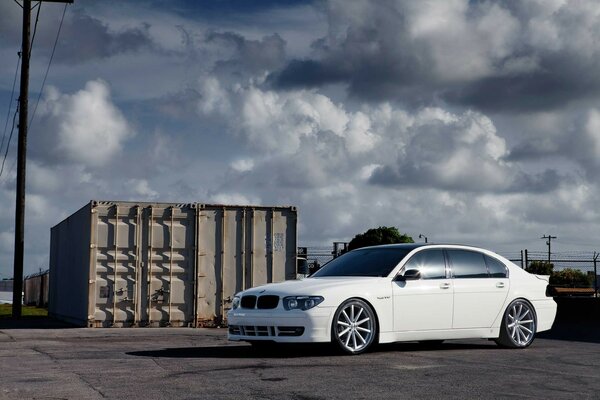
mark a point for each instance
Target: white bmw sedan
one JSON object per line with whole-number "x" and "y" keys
{"x": 403, "y": 292}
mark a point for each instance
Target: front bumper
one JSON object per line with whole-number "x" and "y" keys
{"x": 281, "y": 326}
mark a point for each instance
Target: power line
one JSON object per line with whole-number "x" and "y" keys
{"x": 9, "y": 139}
{"x": 37, "y": 18}
{"x": 49, "y": 63}
{"x": 12, "y": 94}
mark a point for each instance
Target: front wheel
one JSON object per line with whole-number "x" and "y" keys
{"x": 518, "y": 325}
{"x": 354, "y": 326}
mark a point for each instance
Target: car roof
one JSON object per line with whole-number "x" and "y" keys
{"x": 406, "y": 246}
{"x": 412, "y": 246}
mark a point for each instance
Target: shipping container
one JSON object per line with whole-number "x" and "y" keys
{"x": 164, "y": 264}
{"x": 35, "y": 288}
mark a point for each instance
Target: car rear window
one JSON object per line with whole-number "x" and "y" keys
{"x": 467, "y": 264}
{"x": 497, "y": 269}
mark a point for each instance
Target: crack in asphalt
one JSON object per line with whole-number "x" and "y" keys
{"x": 9, "y": 336}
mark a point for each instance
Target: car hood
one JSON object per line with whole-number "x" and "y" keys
{"x": 315, "y": 286}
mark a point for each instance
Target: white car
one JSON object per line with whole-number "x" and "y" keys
{"x": 402, "y": 292}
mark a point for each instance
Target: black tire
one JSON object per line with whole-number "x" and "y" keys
{"x": 354, "y": 327}
{"x": 519, "y": 325}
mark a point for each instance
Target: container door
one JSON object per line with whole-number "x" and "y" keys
{"x": 261, "y": 271}
{"x": 117, "y": 265}
{"x": 283, "y": 245}
{"x": 210, "y": 227}
{"x": 168, "y": 266}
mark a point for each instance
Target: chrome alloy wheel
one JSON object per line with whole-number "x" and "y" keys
{"x": 520, "y": 322}
{"x": 518, "y": 326}
{"x": 354, "y": 326}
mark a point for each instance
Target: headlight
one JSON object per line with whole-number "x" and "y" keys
{"x": 235, "y": 303}
{"x": 301, "y": 302}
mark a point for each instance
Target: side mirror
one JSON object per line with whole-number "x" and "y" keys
{"x": 409, "y": 275}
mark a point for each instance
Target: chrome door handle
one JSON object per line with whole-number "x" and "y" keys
{"x": 444, "y": 285}
{"x": 500, "y": 285}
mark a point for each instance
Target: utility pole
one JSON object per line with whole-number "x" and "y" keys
{"x": 21, "y": 159}
{"x": 549, "y": 243}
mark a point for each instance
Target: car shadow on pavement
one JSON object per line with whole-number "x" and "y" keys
{"x": 296, "y": 350}
{"x": 573, "y": 331}
{"x": 34, "y": 322}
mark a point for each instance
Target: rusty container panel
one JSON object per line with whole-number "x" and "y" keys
{"x": 241, "y": 247}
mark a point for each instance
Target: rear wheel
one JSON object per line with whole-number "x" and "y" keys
{"x": 518, "y": 325}
{"x": 354, "y": 326}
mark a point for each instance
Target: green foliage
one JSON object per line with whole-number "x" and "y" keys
{"x": 540, "y": 268}
{"x": 26, "y": 311}
{"x": 376, "y": 236}
{"x": 571, "y": 277}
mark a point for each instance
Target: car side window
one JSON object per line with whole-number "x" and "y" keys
{"x": 430, "y": 263}
{"x": 467, "y": 264}
{"x": 496, "y": 267}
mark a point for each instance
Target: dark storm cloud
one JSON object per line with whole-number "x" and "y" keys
{"x": 85, "y": 38}
{"x": 375, "y": 58}
{"x": 559, "y": 79}
{"x": 574, "y": 138}
{"x": 249, "y": 56}
{"x": 505, "y": 56}
{"x": 404, "y": 175}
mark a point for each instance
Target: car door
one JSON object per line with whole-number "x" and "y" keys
{"x": 425, "y": 303}
{"x": 478, "y": 295}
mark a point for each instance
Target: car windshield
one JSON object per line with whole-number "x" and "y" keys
{"x": 364, "y": 262}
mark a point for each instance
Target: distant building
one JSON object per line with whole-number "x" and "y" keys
{"x": 6, "y": 292}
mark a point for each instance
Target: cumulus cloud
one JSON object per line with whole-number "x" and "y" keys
{"x": 458, "y": 152}
{"x": 307, "y": 139}
{"x": 280, "y": 121}
{"x": 84, "y": 127}
{"x": 141, "y": 189}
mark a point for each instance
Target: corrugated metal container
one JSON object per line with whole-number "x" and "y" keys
{"x": 36, "y": 289}
{"x": 163, "y": 264}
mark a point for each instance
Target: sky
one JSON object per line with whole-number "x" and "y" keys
{"x": 472, "y": 122}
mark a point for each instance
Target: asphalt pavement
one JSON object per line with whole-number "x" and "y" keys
{"x": 185, "y": 363}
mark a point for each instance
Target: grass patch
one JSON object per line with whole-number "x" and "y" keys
{"x": 27, "y": 311}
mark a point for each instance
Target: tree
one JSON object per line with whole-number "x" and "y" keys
{"x": 571, "y": 277}
{"x": 540, "y": 268}
{"x": 376, "y": 236}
